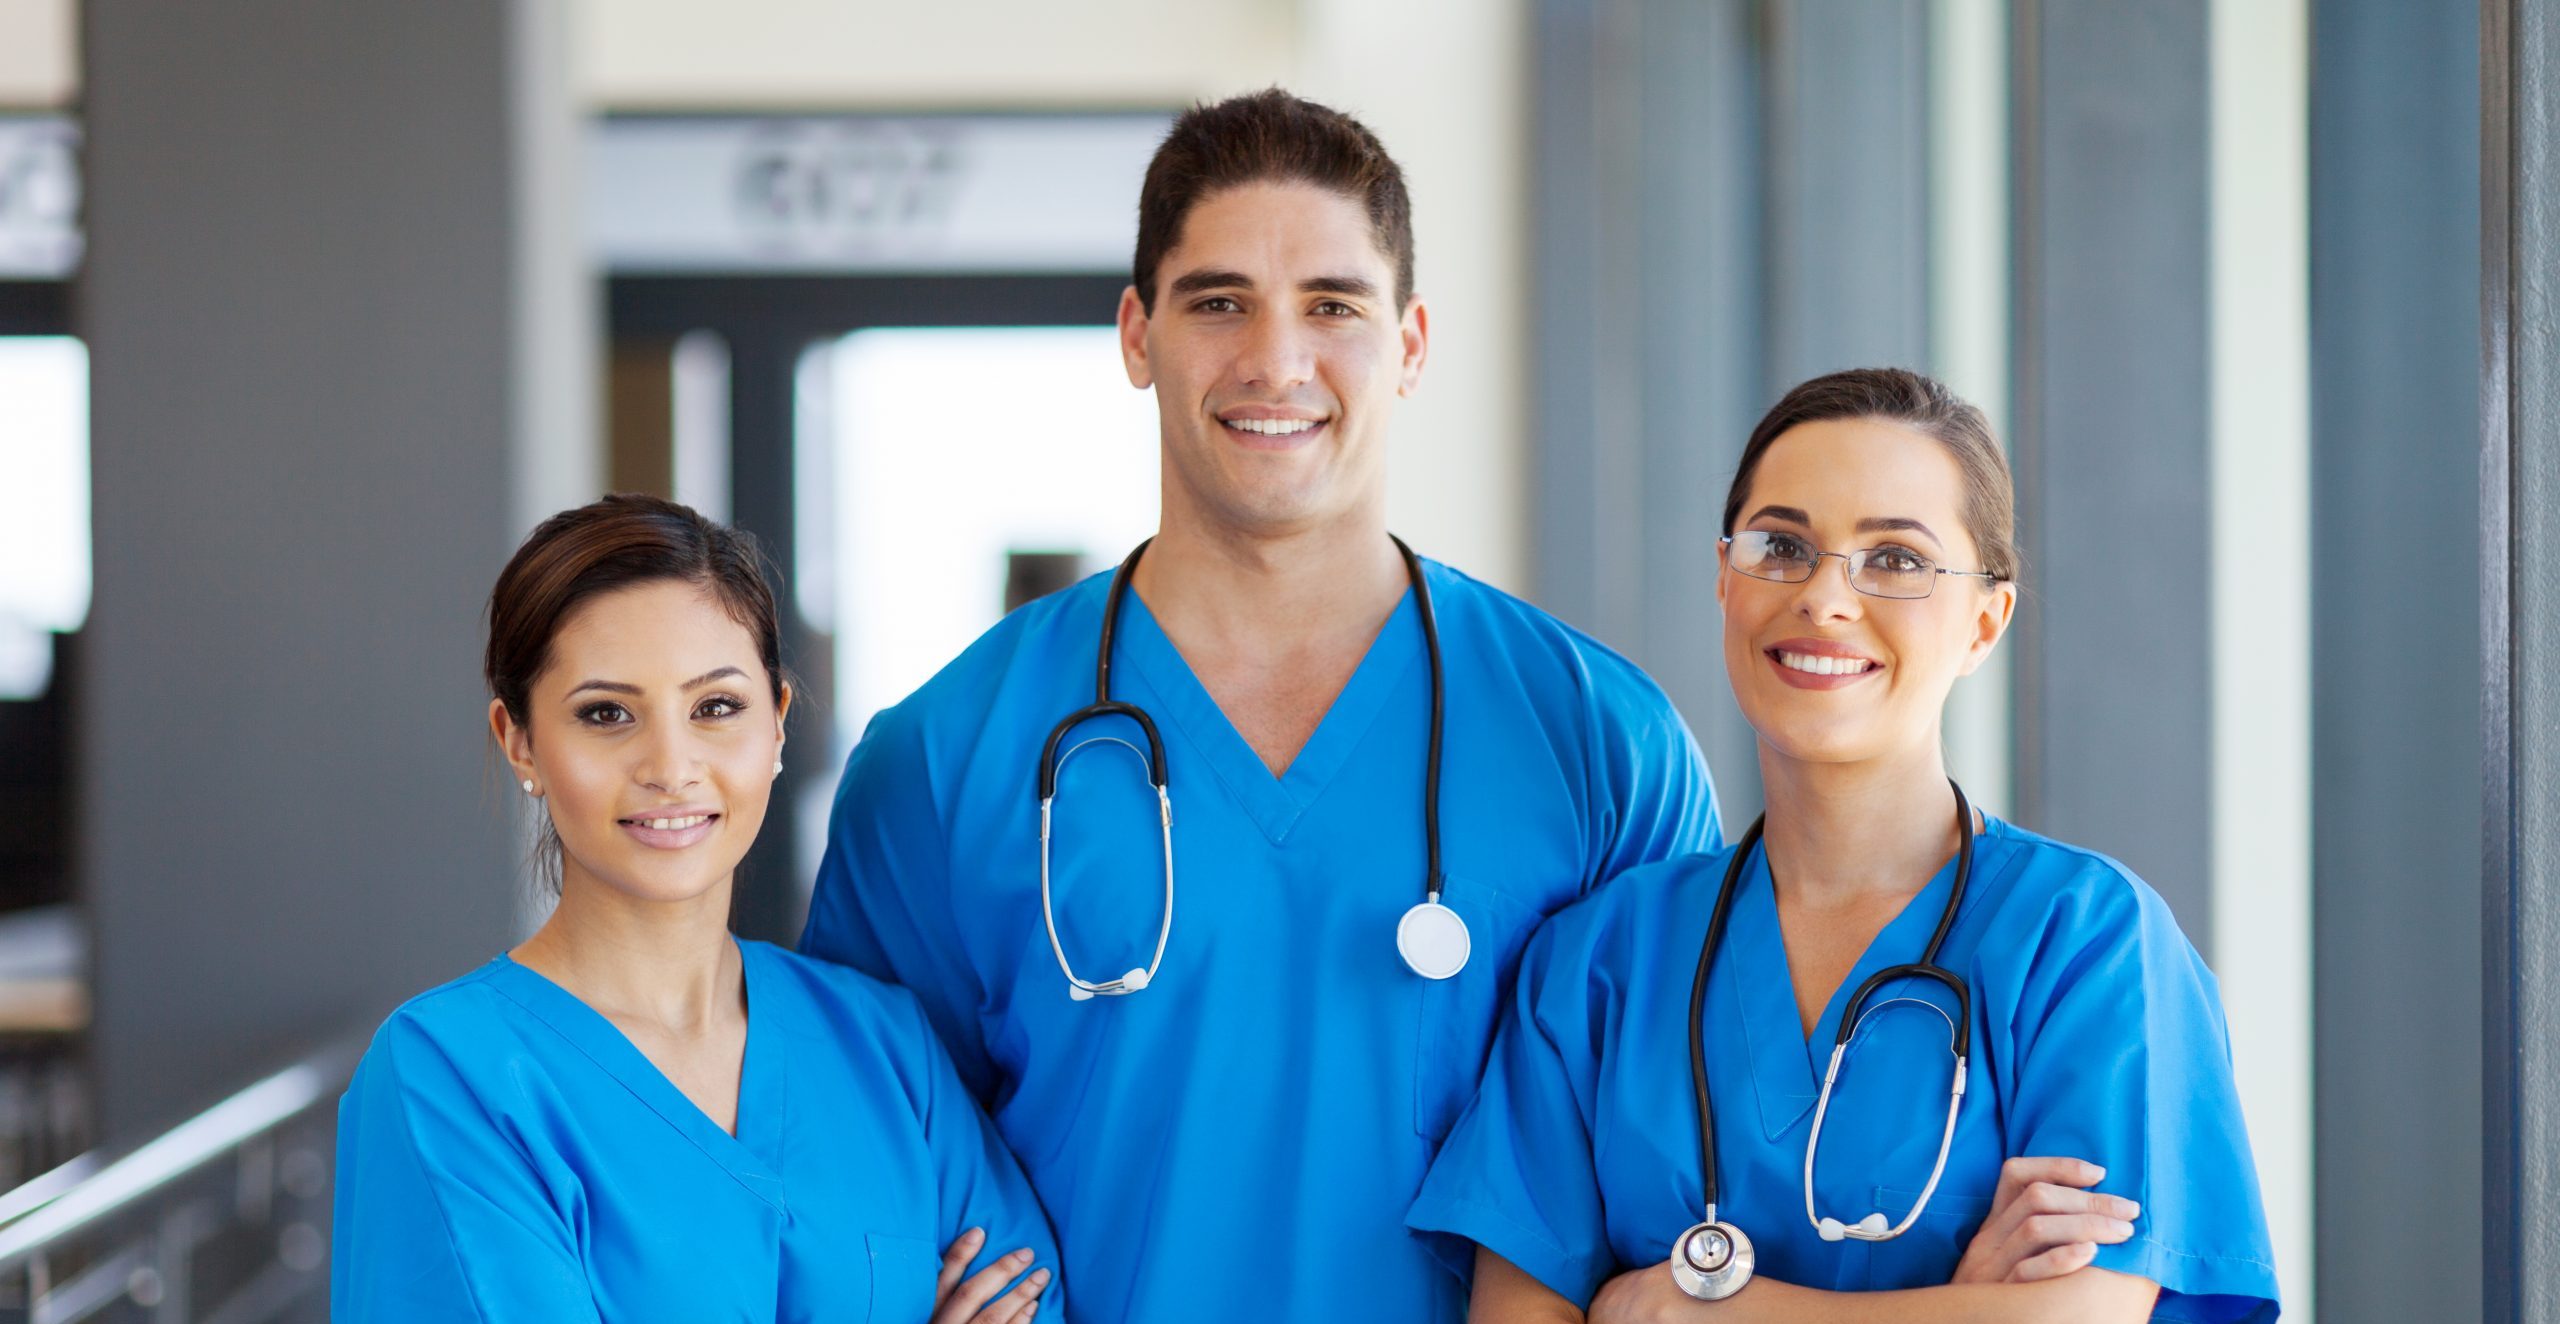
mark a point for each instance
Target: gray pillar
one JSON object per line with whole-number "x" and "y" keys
{"x": 1733, "y": 198}
{"x": 323, "y": 254}
{"x": 2520, "y": 644}
{"x": 1848, "y": 151}
{"x": 2114, "y": 721}
{"x": 1649, "y": 346}
{"x": 2395, "y": 262}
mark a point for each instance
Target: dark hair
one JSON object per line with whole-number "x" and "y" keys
{"x": 1270, "y": 135}
{"x": 602, "y": 546}
{"x": 1923, "y": 404}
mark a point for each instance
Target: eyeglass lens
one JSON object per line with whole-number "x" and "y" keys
{"x": 1883, "y": 572}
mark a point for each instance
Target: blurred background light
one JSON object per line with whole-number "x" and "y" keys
{"x": 959, "y": 455}
{"x": 44, "y": 504}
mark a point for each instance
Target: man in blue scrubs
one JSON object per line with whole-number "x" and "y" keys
{"x": 1241, "y": 1136}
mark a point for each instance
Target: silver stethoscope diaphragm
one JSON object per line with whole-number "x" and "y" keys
{"x": 1712, "y": 1260}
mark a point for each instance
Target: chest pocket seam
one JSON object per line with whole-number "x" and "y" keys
{"x": 1467, "y": 1006}
{"x": 903, "y": 1271}
{"x": 1947, "y": 1209}
{"x": 1942, "y": 1202}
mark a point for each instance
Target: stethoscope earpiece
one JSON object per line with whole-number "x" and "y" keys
{"x": 1869, "y": 1228}
{"x": 1135, "y": 980}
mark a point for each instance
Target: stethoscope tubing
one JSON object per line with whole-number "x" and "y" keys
{"x": 1159, "y": 774}
{"x": 1164, "y": 928}
{"x": 1432, "y": 877}
{"x": 1926, "y": 967}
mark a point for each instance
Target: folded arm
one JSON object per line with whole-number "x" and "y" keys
{"x": 2029, "y": 1261}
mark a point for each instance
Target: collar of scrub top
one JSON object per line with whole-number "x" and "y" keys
{"x": 1713, "y": 1259}
{"x": 1431, "y": 937}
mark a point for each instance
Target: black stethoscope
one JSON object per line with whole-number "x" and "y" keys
{"x": 1431, "y": 937}
{"x": 1713, "y": 1259}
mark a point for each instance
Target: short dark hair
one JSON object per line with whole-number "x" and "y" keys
{"x": 1923, "y": 404}
{"x": 1270, "y": 135}
{"x": 610, "y": 544}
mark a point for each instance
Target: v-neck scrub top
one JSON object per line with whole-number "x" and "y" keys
{"x": 505, "y": 1154}
{"x": 1240, "y": 1139}
{"x": 2097, "y": 1034}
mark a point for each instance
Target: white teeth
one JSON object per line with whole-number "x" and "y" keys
{"x": 1824, "y": 665}
{"x": 1272, "y": 427}
{"x": 674, "y": 824}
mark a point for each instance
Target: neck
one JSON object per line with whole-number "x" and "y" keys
{"x": 1251, "y": 590}
{"x": 1839, "y": 833}
{"x": 669, "y": 963}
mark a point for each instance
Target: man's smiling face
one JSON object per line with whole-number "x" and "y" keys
{"x": 1276, "y": 351}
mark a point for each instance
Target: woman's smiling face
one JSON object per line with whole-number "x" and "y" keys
{"x": 1824, "y": 673}
{"x": 652, "y": 733}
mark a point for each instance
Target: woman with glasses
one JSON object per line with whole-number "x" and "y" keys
{"x": 1832, "y": 1072}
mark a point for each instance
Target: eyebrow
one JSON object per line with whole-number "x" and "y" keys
{"x": 617, "y": 687}
{"x": 1212, "y": 278}
{"x": 1219, "y": 278}
{"x": 1350, "y": 286}
{"x": 1897, "y": 524}
{"x": 1871, "y": 524}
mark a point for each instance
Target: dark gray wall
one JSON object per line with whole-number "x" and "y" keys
{"x": 1649, "y": 343}
{"x": 2520, "y": 654}
{"x": 1730, "y": 197}
{"x": 2114, "y": 720}
{"x": 301, "y": 300}
{"x": 2395, "y": 306}
{"x": 1848, "y": 159}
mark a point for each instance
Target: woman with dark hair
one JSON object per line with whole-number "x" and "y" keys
{"x": 634, "y": 1115}
{"x": 1822, "y": 1074}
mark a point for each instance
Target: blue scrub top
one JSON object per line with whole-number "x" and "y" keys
{"x": 2097, "y": 1034}
{"x": 1241, "y": 1139}
{"x": 504, "y": 1153}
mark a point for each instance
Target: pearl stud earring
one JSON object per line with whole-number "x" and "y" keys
{"x": 528, "y": 786}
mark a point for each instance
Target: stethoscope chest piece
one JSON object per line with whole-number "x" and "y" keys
{"x": 1433, "y": 940}
{"x": 1712, "y": 1261}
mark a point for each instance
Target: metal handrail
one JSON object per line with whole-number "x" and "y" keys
{"x": 101, "y": 1184}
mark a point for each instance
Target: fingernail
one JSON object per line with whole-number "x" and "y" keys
{"x": 1040, "y": 1277}
{"x": 2122, "y": 1228}
{"x": 2131, "y": 1209}
{"x": 974, "y": 1234}
{"x": 1022, "y": 1256}
{"x": 1030, "y": 1310}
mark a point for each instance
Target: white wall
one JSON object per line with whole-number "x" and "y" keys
{"x": 39, "y": 55}
{"x": 1012, "y": 54}
{"x": 1444, "y": 82}
{"x": 1969, "y": 319}
{"x": 2261, "y": 483}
